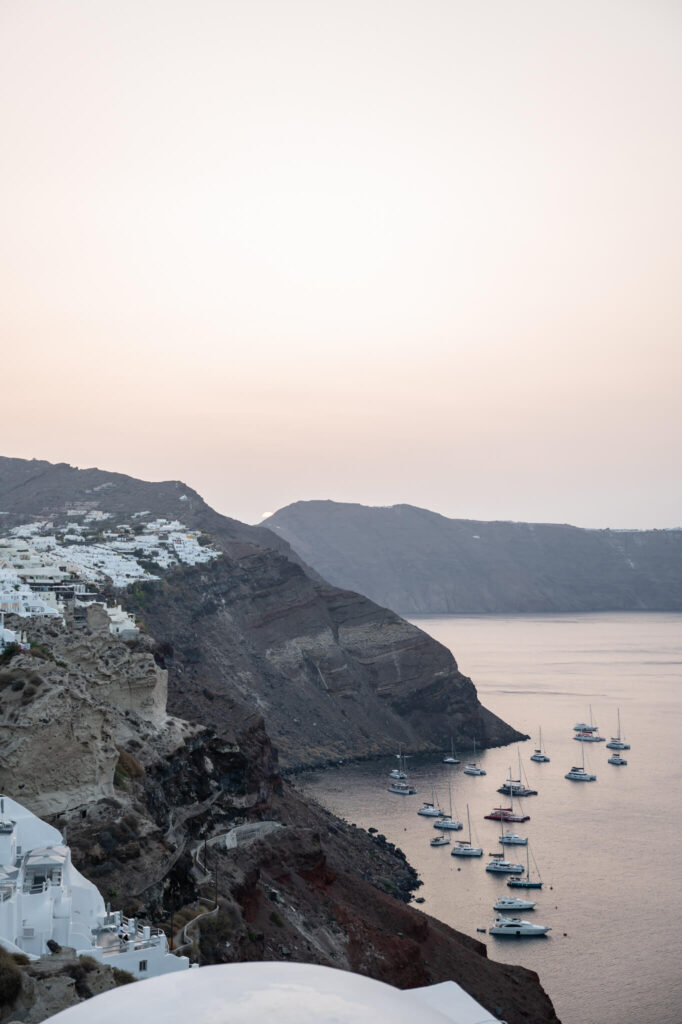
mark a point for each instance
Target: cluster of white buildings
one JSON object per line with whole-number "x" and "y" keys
{"x": 44, "y": 897}
{"x": 38, "y": 571}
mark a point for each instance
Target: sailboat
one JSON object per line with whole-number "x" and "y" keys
{"x": 464, "y": 847}
{"x": 526, "y": 882}
{"x": 587, "y": 733}
{"x": 473, "y": 768}
{"x": 539, "y": 754}
{"x": 579, "y": 774}
{"x": 617, "y": 742}
{"x": 447, "y": 822}
{"x": 516, "y": 786}
{"x": 451, "y": 759}
{"x": 441, "y": 840}
{"x": 430, "y": 809}
{"x": 511, "y": 838}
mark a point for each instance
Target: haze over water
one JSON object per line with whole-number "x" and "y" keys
{"x": 607, "y": 851}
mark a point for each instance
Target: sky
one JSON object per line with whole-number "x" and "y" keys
{"x": 372, "y": 250}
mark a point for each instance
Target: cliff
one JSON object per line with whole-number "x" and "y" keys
{"x": 151, "y": 829}
{"x": 333, "y": 674}
{"x": 418, "y": 562}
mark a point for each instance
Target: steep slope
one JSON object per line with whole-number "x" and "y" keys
{"x": 333, "y": 674}
{"x": 148, "y": 826}
{"x": 418, "y": 562}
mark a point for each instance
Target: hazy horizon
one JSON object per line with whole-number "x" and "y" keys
{"x": 385, "y": 252}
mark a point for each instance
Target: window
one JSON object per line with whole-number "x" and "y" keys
{"x": 143, "y": 965}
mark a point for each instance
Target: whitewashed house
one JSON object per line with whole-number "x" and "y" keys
{"x": 43, "y": 897}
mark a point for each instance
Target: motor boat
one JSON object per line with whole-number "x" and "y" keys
{"x": 513, "y": 903}
{"x": 517, "y": 927}
{"x": 397, "y": 774}
{"x": 617, "y": 759}
{"x": 499, "y": 866}
{"x": 512, "y": 839}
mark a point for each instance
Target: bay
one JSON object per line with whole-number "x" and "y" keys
{"x": 608, "y": 851}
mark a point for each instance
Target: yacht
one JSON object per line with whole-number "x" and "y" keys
{"x": 450, "y": 758}
{"x": 448, "y": 822}
{"x": 397, "y": 774}
{"x": 587, "y": 733}
{"x": 440, "y": 841}
{"x": 499, "y": 866}
{"x": 526, "y": 882}
{"x": 579, "y": 774}
{"x": 513, "y": 903}
{"x": 539, "y": 754}
{"x": 617, "y": 759}
{"x": 618, "y": 742}
{"x": 512, "y": 839}
{"x": 429, "y": 810}
{"x": 401, "y": 788}
{"x": 464, "y": 847}
{"x": 506, "y": 814}
{"x": 473, "y": 768}
{"x": 517, "y": 788}
{"x": 515, "y": 926}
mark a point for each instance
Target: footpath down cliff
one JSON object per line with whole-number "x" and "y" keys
{"x": 418, "y": 562}
{"x": 333, "y": 674}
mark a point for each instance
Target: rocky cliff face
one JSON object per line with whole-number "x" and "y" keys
{"x": 418, "y": 562}
{"x": 149, "y": 828}
{"x": 333, "y": 674}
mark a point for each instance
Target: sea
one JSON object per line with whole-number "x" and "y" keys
{"x": 609, "y": 852}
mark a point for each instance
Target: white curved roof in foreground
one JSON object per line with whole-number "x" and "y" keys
{"x": 289, "y": 993}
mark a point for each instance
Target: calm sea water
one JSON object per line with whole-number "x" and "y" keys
{"x": 609, "y": 852}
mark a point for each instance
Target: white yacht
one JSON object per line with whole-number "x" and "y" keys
{"x": 397, "y": 774}
{"x": 618, "y": 742}
{"x": 617, "y": 759}
{"x": 448, "y": 821}
{"x": 401, "y": 788}
{"x": 464, "y": 847}
{"x": 513, "y": 903}
{"x": 450, "y": 758}
{"x": 513, "y": 839}
{"x": 473, "y": 769}
{"x": 430, "y": 810}
{"x": 587, "y": 733}
{"x": 515, "y": 926}
{"x": 499, "y": 866}
{"x": 539, "y": 754}
{"x": 579, "y": 774}
{"x": 440, "y": 841}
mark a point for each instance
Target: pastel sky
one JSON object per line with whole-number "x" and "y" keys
{"x": 371, "y": 250}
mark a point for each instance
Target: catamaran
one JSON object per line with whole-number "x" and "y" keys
{"x": 539, "y": 754}
{"x": 618, "y": 742}
{"x": 578, "y": 774}
{"x": 464, "y": 847}
{"x": 526, "y": 882}
{"x": 430, "y": 808}
{"x": 587, "y": 733}
{"x": 617, "y": 759}
{"x": 401, "y": 788}
{"x": 451, "y": 759}
{"x": 499, "y": 866}
{"x": 448, "y": 822}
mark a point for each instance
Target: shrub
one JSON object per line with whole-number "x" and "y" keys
{"x": 276, "y": 919}
{"x": 122, "y": 977}
{"x": 10, "y": 979}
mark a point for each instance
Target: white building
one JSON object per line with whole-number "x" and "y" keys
{"x": 43, "y": 897}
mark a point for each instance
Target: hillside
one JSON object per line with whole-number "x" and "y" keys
{"x": 418, "y": 562}
{"x": 253, "y": 631}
